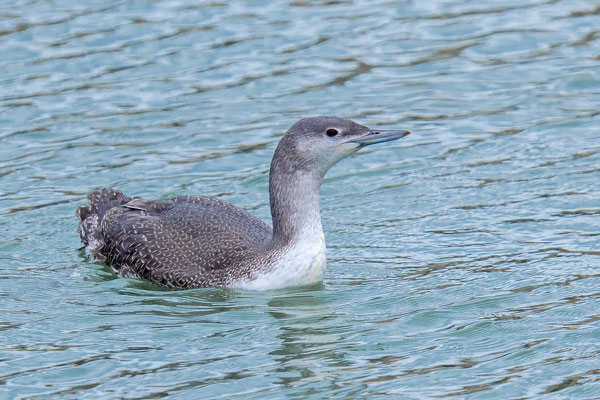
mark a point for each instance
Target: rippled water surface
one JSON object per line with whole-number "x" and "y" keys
{"x": 463, "y": 260}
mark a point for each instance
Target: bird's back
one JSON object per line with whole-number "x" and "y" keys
{"x": 187, "y": 241}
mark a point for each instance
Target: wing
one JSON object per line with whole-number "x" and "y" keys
{"x": 187, "y": 241}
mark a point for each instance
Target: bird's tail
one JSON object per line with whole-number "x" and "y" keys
{"x": 90, "y": 217}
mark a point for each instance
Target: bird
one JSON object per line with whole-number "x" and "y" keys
{"x": 201, "y": 241}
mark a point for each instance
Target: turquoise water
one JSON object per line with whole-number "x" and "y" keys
{"x": 463, "y": 260}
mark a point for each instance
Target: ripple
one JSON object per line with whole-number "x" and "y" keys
{"x": 462, "y": 262}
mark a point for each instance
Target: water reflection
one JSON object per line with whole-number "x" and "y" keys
{"x": 309, "y": 338}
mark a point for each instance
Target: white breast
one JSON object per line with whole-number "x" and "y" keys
{"x": 303, "y": 263}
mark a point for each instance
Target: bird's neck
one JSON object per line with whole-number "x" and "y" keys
{"x": 294, "y": 196}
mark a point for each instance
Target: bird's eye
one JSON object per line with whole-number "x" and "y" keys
{"x": 331, "y": 132}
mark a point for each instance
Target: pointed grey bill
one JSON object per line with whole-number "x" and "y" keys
{"x": 380, "y": 136}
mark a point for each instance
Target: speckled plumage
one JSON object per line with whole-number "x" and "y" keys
{"x": 187, "y": 241}
{"x": 199, "y": 241}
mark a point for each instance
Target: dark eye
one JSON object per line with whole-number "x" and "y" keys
{"x": 331, "y": 132}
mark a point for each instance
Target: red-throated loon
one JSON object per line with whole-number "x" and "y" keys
{"x": 200, "y": 241}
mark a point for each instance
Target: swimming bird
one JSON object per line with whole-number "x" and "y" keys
{"x": 201, "y": 241}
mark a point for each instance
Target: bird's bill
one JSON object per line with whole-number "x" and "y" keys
{"x": 379, "y": 136}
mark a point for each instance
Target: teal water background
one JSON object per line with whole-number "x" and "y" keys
{"x": 463, "y": 260}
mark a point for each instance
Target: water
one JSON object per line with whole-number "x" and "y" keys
{"x": 463, "y": 260}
